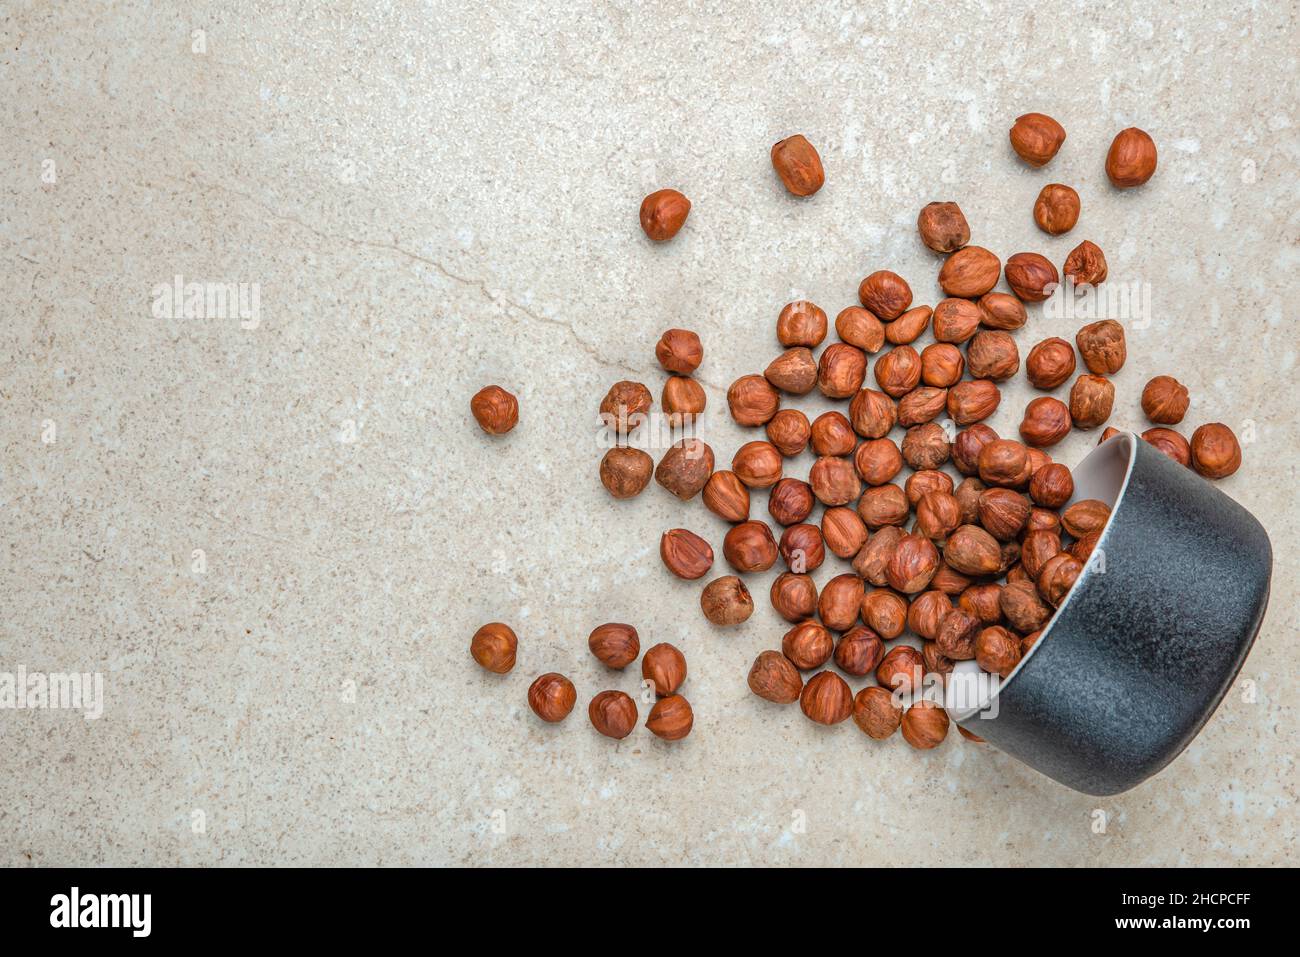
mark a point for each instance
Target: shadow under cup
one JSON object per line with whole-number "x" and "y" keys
{"x": 1148, "y": 641}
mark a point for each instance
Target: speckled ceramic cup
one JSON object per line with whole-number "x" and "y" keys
{"x": 1150, "y": 638}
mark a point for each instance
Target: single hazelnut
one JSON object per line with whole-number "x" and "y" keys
{"x": 679, "y": 351}
{"x": 1131, "y": 160}
{"x": 826, "y": 698}
{"x": 1084, "y": 547}
{"x": 901, "y": 670}
{"x": 1036, "y": 137}
{"x": 956, "y": 320}
{"x": 789, "y": 431}
{"x": 924, "y": 481}
{"x": 873, "y": 414}
{"x": 923, "y": 404}
{"x": 1028, "y": 642}
{"x": 925, "y": 725}
{"x": 898, "y": 371}
{"x": 1045, "y": 519}
{"x": 926, "y": 613}
{"x": 885, "y": 613}
{"x": 1170, "y": 443}
{"x": 797, "y": 163}
{"x": 955, "y": 638}
{"x": 948, "y": 580}
{"x": 801, "y": 323}
{"x": 832, "y": 435}
{"x": 793, "y": 371}
{"x": 1031, "y": 277}
{"x": 993, "y": 355}
{"x": 858, "y": 327}
{"x": 1022, "y": 607}
{"x": 1215, "y": 452}
{"x": 752, "y": 400}
{"x": 968, "y": 495}
{"x": 912, "y": 565}
{"x": 790, "y": 501}
{"x": 1085, "y": 516}
{"x": 1051, "y": 486}
{"x": 840, "y": 601}
{"x": 943, "y": 227}
{"x": 877, "y": 461}
{"x": 726, "y": 497}
{"x": 613, "y": 714}
{"x": 493, "y": 647}
{"x": 859, "y": 651}
{"x": 843, "y": 531}
{"x": 794, "y": 597}
{"x": 683, "y": 400}
{"x": 1046, "y": 421}
{"x": 1005, "y": 463}
{"x": 997, "y": 650}
{"x": 936, "y": 662}
{"x": 495, "y": 410}
{"x": 625, "y": 406}
{"x": 802, "y": 549}
{"x": 1165, "y": 400}
{"x": 808, "y": 645}
{"x": 664, "y": 667}
{"x": 841, "y": 370}
{"x": 870, "y": 563}
{"x": 1035, "y": 550}
{"x": 614, "y": 645}
{"x": 625, "y": 472}
{"x": 966, "y": 447}
{"x": 926, "y": 446}
{"x": 1091, "y": 399}
{"x": 973, "y": 551}
{"x": 876, "y": 713}
{"x": 970, "y": 272}
{"x": 1000, "y": 310}
{"x": 941, "y": 365}
{"x": 909, "y": 326}
{"x": 685, "y": 468}
{"x": 1057, "y": 577}
{"x": 552, "y": 697}
{"x": 973, "y": 401}
{"x": 1101, "y": 344}
{"x": 883, "y": 505}
{"x": 982, "y": 602}
{"x": 758, "y": 464}
{"x": 1037, "y": 460}
{"x": 833, "y": 480}
{"x": 886, "y": 294}
{"x": 774, "y": 679}
{"x": 1086, "y": 265}
{"x": 685, "y": 554}
{"x": 663, "y": 213}
{"x": 1057, "y": 209}
{"x": 671, "y": 718}
{"x": 726, "y": 601}
{"x": 937, "y": 515}
{"x": 1003, "y": 513}
{"x": 749, "y": 547}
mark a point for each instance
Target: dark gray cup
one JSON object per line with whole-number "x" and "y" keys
{"x": 1149, "y": 640}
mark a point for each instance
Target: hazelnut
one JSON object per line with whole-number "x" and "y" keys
{"x": 493, "y": 647}
{"x": 982, "y": 602}
{"x": 901, "y": 670}
{"x": 993, "y": 355}
{"x": 1036, "y": 137}
{"x": 936, "y": 662}
{"x": 1057, "y": 577}
{"x": 1005, "y": 463}
{"x": 870, "y": 563}
{"x": 956, "y": 320}
{"x": 1083, "y": 548}
{"x": 1026, "y": 643}
{"x": 883, "y": 505}
{"x": 833, "y": 480}
{"x": 1086, "y": 516}
{"x": 671, "y": 718}
{"x": 1215, "y": 452}
{"x": 926, "y": 613}
{"x": 726, "y": 601}
{"x": 826, "y": 698}
{"x": 613, "y": 714}
{"x": 552, "y": 697}
{"x": 1022, "y": 607}
{"x": 625, "y": 472}
{"x": 1035, "y": 550}
{"x": 898, "y": 371}
{"x": 841, "y": 370}
{"x": 973, "y": 401}
{"x": 664, "y": 667}
{"x": 923, "y": 404}
{"x": 970, "y": 272}
{"x": 752, "y": 400}
{"x": 757, "y": 464}
{"x": 1086, "y": 265}
{"x": 973, "y": 551}
{"x": 1051, "y": 486}
{"x": 876, "y": 713}
{"x": 802, "y": 549}
{"x": 1091, "y": 399}
{"x": 793, "y": 371}
{"x": 790, "y": 501}
{"x": 885, "y": 613}
{"x": 1170, "y": 443}
{"x": 663, "y": 213}
{"x": 808, "y": 645}
{"x": 860, "y": 328}
{"x": 789, "y": 431}
{"x": 966, "y": 447}
{"x": 1164, "y": 400}
{"x": 832, "y": 434}
{"x": 997, "y": 650}
{"x": 926, "y": 446}
{"x": 1050, "y": 363}
{"x": 843, "y": 531}
{"x": 1031, "y": 277}
{"x": 1046, "y": 421}
{"x": 886, "y": 294}
{"x": 948, "y": 580}
{"x": 958, "y": 629}
{"x": 1037, "y": 460}
{"x": 1131, "y": 160}
{"x": 614, "y": 645}
{"x": 749, "y": 547}
{"x": 941, "y": 365}
{"x": 909, "y": 326}
{"x": 1011, "y": 562}
{"x": 924, "y": 481}
{"x": 726, "y": 497}
{"x": 801, "y": 323}
{"x": 495, "y": 410}
{"x": 877, "y": 461}
{"x": 679, "y": 351}
{"x": 937, "y": 515}
{"x": 794, "y": 596}
{"x": 1003, "y": 513}
{"x": 912, "y": 564}
{"x": 1000, "y": 310}
{"x": 773, "y": 678}
{"x": 625, "y": 406}
{"x": 685, "y": 554}
{"x": 967, "y": 495}
{"x": 943, "y": 227}
{"x": 840, "y": 602}
{"x": 925, "y": 725}
{"x": 683, "y": 399}
{"x": 1101, "y": 344}
{"x": 1057, "y": 209}
{"x": 1044, "y": 519}
{"x": 859, "y": 651}
{"x": 798, "y": 165}
{"x": 685, "y": 468}
{"x": 873, "y": 414}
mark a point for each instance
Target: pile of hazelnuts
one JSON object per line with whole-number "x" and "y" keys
{"x": 974, "y": 567}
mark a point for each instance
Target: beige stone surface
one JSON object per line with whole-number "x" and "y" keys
{"x": 434, "y": 197}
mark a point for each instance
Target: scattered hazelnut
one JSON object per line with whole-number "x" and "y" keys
{"x": 797, "y": 163}
{"x": 1057, "y": 577}
{"x": 808, "y": 645}
{"x": 956, "y": 320}
{"x": 970, "y": 272}
{"x": 664, "y": 667}
{"x": 683, "y": 399}
{"x": 757, "y": 464}
{"x": 752, "y": 400}
{"x": 495, "y": 410}
{"x": 873, "y": 414}
{"x": 679, "y": 351}
{"x": 926, "y": 447}
{"x": 927, "y": 611}
{"x": 967, "y": 495}
{"x": 773, "y": 678}
{"x": 840, "y": 602}
{"x": 1000, "y": 310}
{"x": 1085, "y": 516}
{"x": 885, "y": 612}
{"x": 843, "y": 531}
{"x": 1031, "y": 277}
{"x": 1101, "y": 344}
{"x": 801, "y": 323}
{"x": 671, "y": 718}
{"x": 973, "y": 551}
{"x": 1026, "y": 643}
{"x": 923, "y": 404}
{"x": 614, "y": 645}
{"x": 973, "y": 401}
{"x": 726, "y": 601}
{"x": 912, "y": 565}
{"x": 793, "y": 371}
{"x": 613, "y": 714}
{"x": 1036, "y": 137}
{"x": 1083, "y": 548}
{"x": 1046, "y": 421}
{"x": 924, "y": 481}
{"x": 625, "y": 472}
{"x": 982, "y": 602}
{"x": 552, "y": 697}
{"x": 826, "y": 698}
{"x": 859, "y": 651}
{"x": 749, "y": 547}
{"x": 1091, "y": 399}
{"x": 877, "y": 461}
{"x": 909, "y": 326}
{"x": 943, "y": 227}
{"x": 1050, "y": 363}
{"x": 1003, "y": 513}
{"x": 832, "y": 434}
{"x": 685, "y": 468}
{"x": 493, "y": 647}
{"x": 1215, "y": 452}
{"x": 833, "y": 480}
{"x": 898, "y": 371}
{"x": 790, "y": 501}
{"x": 993, "y": 355}
{"x": 997, "y": 650}
{"x": 841, "y": 370}
{"x": 1171, "y": 444}
{"x": 1022, "y": 608}
{"x": 941, "y": 365}
{"x": 794, "y": 597}
{"x": 935, "y": 660}
{"x": 625, "y": 406}
{"x": 883, "y": 505}
{"x": 937, "y": 515}
{"x": 726, "y": 497}
{"x": 886, "y": 294}
{"x": 901, "y": 670}
{"x": 1131, "y": 160}
{"x": 925, "y": 725}
{"x": 955, "y": 638}
{"x": 685, "y": 554}
{"x": 1035, "y": 550}
{"x": 870, "y": 563}
{"x": 663, "y": 213}
{"x": 966, "y": 447}
{"x": 1057, "y": 209}
{"x": 1052, "y": 485}
{"x": 876, "y": 713}
{"x": 1086, "y": 265}
{"x": 789, "y": 431}
{"x": 1165, "y": 400}
{"x": 948, "y": 580}
{"x": 1005, "y": 463}
{"x": 858, "y": 327}
{"x": 802, "y": 549}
